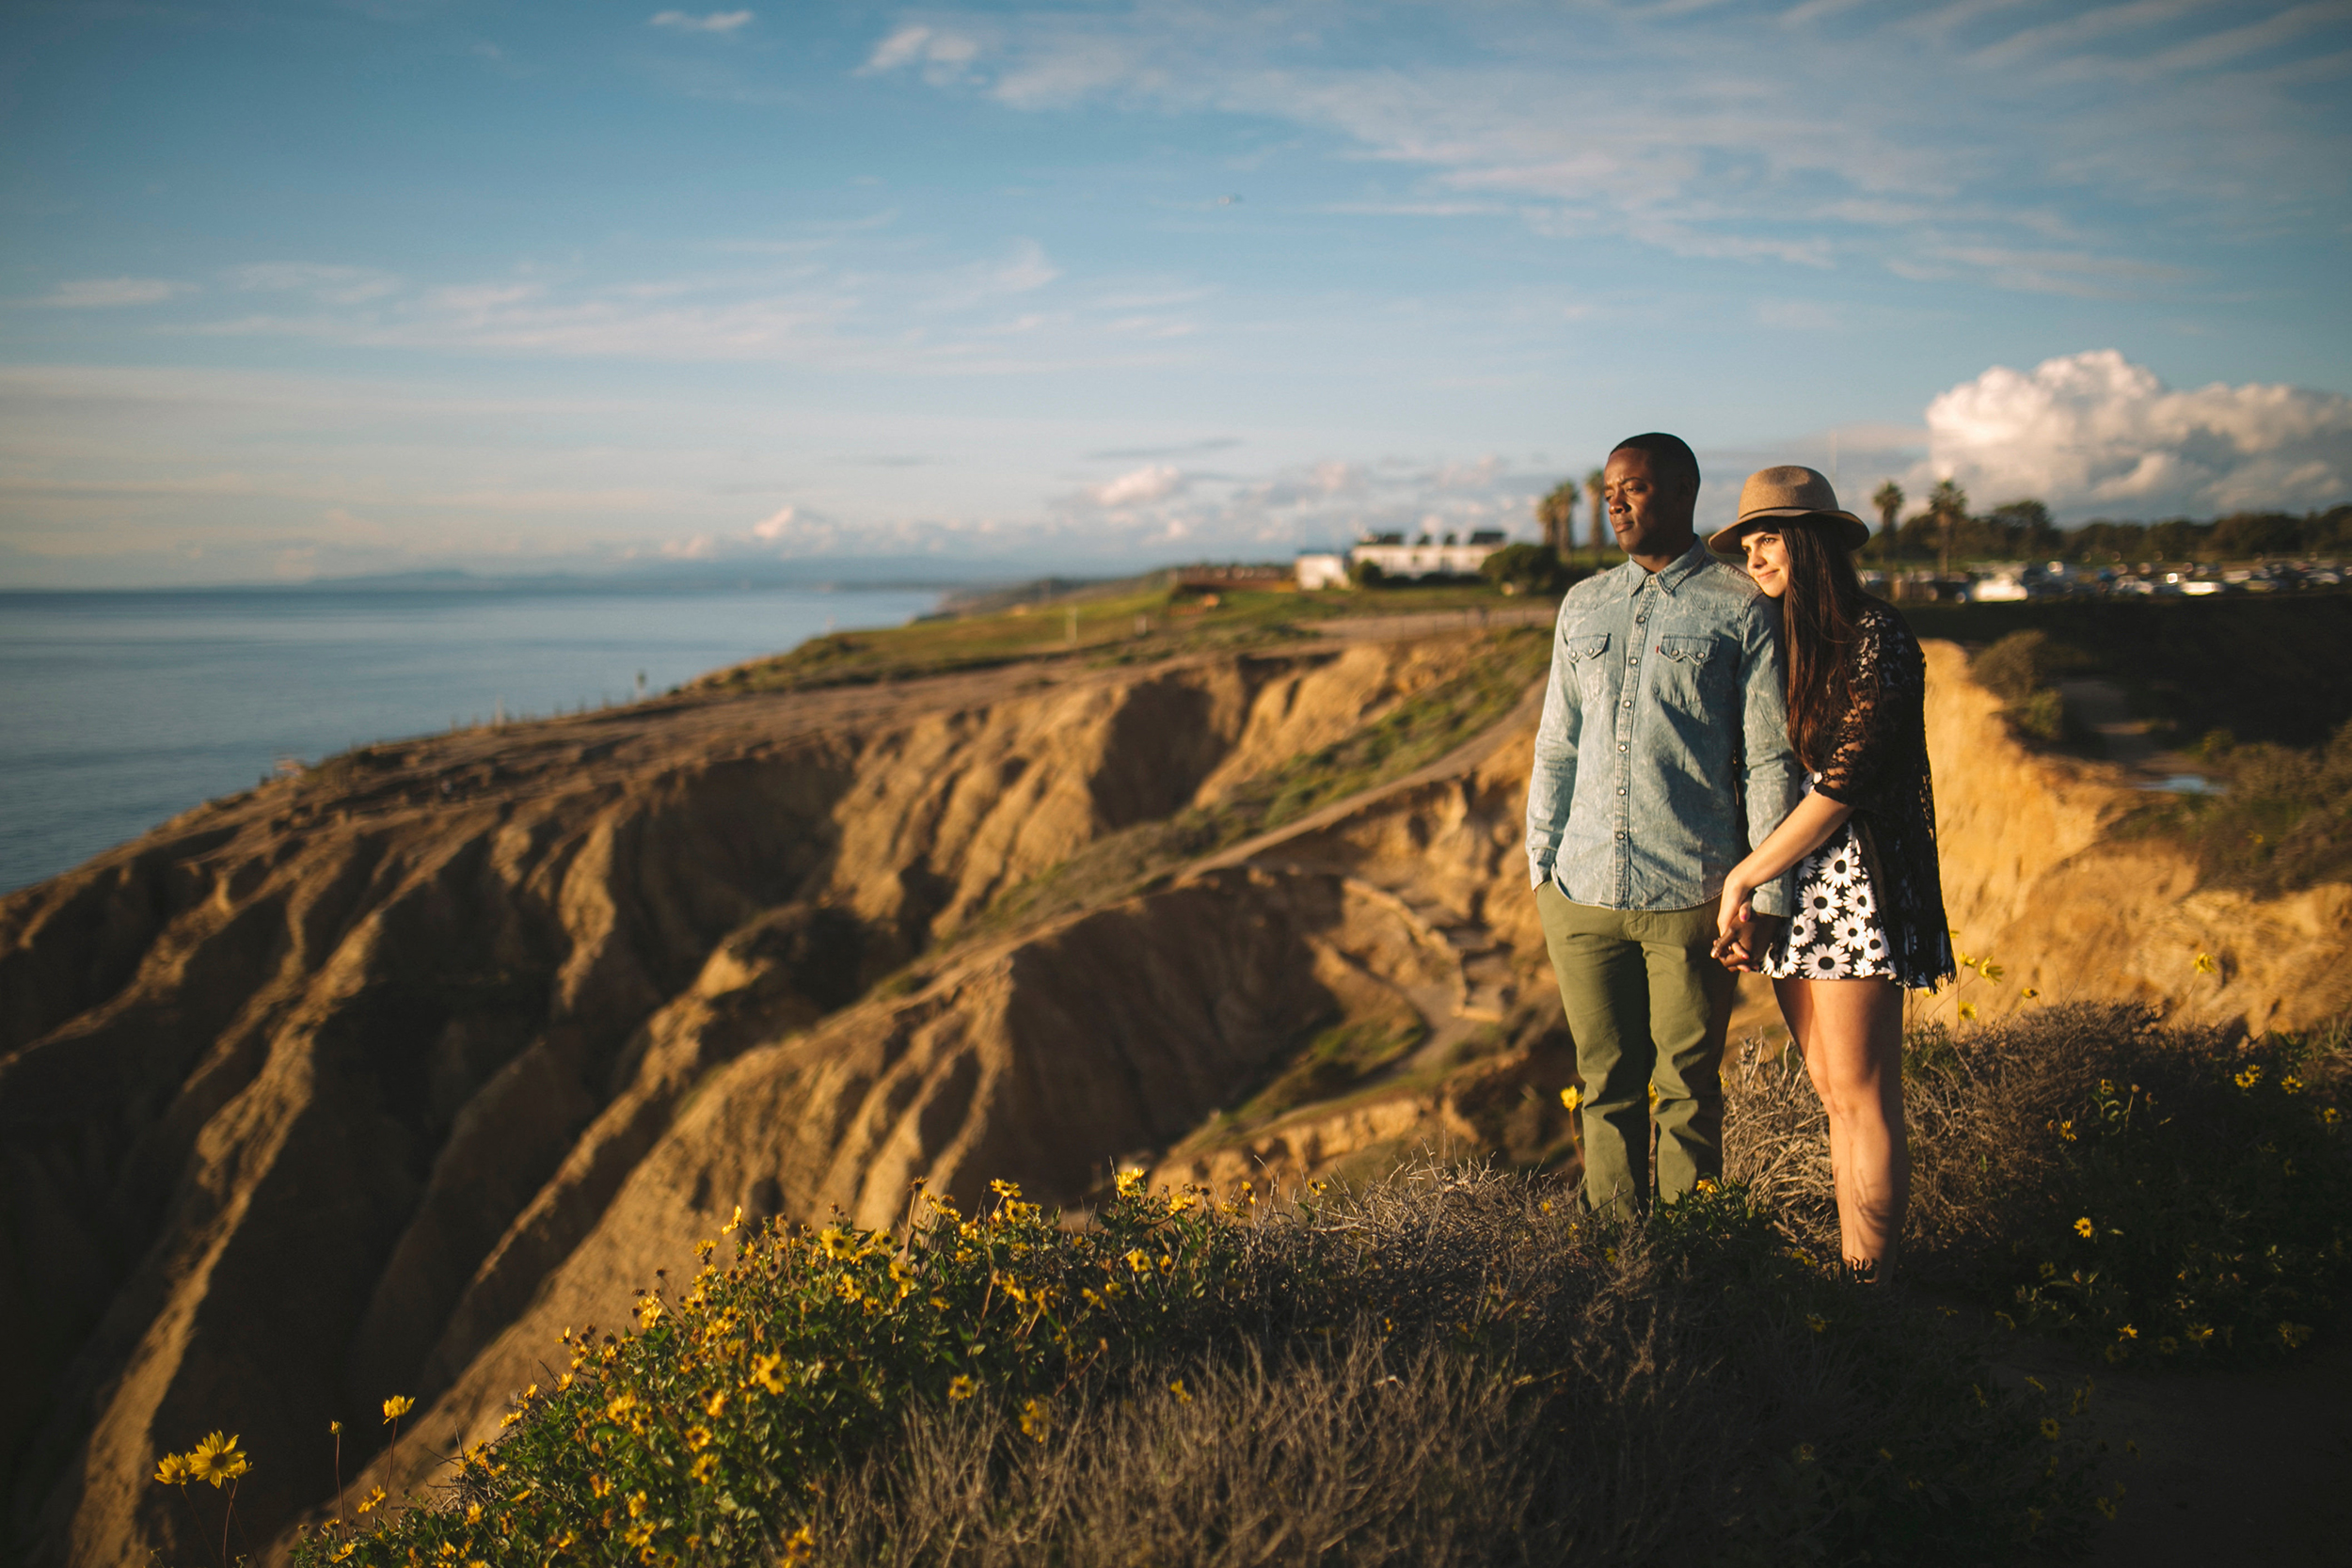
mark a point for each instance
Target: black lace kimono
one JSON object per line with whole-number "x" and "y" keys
{"x": 1870, "y": 900}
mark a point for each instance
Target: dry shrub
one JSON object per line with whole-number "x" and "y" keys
{"x": 1457, "y": 1366}
{"x": 2092, "y": 1169}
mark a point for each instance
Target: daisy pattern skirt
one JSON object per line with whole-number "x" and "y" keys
{"x": 1835, "y": 933}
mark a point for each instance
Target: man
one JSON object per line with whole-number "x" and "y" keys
{"x": 1662, "y": 756}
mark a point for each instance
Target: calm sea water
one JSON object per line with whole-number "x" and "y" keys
{"x": 117, "y": 710}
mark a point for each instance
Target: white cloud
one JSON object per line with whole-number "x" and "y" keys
{"x": 330, "y": 285}
{"x": 942, "y": 56}
{"x": 775, "y": 525}
{"x": 716, "y": 22}
{"x": 103, "y": 293}
{"x": 1768, "y": 139}
{"x": 2094, "y": 434}
{"x": 1153, "y": 482}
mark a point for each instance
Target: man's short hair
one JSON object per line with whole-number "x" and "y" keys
{"x": 1670, "y": 456}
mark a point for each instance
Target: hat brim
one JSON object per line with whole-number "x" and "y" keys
{"x": 1844, "y": 528}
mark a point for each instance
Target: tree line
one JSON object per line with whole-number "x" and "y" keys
{"x": 1944, "y": 530}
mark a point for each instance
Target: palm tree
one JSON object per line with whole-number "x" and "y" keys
{"x": 1889, "y": 501}
{"x": 1593, "y": 487}
{"x": 1556, "y": 515}
{"x": 1947, "y": 504}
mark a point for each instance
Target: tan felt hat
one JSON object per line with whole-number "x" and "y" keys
{"x": 1790, "y": 490}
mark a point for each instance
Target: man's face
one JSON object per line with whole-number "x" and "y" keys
{"x": 1649, "y": 514}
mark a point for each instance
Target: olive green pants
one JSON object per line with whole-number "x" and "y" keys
{"x": 1650, "y": 1009}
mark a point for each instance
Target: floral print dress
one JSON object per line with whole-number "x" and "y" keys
{"x": 1870, "y": 900}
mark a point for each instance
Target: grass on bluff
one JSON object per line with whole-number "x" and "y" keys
{"x": 1455, "y": 1366}
{"x": 1144, "y": 625}
{"x": 2284, "y": 819}
{"x": 1418, "y": 731}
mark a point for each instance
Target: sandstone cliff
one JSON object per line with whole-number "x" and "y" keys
{"x": 372, "y": 1082}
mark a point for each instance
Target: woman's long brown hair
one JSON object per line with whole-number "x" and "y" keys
{"x": 1817, "y": 615}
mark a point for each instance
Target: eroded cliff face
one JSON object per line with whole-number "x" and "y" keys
{"x": 305, "y": 1096}
{"x": 376, "y": 1081}
{"x": 2037, "y": 877}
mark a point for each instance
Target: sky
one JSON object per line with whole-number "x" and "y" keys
{"x": 297, "y": 289}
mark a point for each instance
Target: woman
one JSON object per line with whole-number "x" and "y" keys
{"x": 1869, "y": 907}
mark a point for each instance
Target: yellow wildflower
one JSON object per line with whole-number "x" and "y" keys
{"x": 732, "y": 1226}
{"x": 2084, "y": 1229}
{"x": 1139, "y": 1260}
{"x": 2030, "y": 992}
{"x": 961, "y": 1388}
{"x": 716, "y": 1405}
{"x": 397, "y": 1406}
{"x": 1818, "y": 1324}
{"x": 1035, "y": 1423}
{"x": 799, "y": 1547}
{"x": 172, "y": 1470}
{"x": 1572, "y": 1097}
{"x": 217, "y": 1458}
{"x": 1130, "y": 1182}
{"x": 1176, "y": 1387}
{"x": 1968, "y": 1012}
{"x": 2252, "y": 1076}
{"x": 2290, "y": 1085}
{"x": 705, "y": 1466}
{"x": 369, "y": 1503}
{"x": 2050, "y": 1428}
{"x": 2294, "y": 1334}
{"x": 2205, "y": 965}
{"x": 767, "y": 1371}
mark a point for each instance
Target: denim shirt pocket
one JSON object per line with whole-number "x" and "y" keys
{"x": 1584, "y": 652}
{"x": 1694, "y": 669}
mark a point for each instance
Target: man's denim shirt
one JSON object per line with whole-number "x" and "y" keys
{"x": 1664, "y": 710}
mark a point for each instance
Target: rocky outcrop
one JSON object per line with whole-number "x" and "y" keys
{"x": 373, "y": 1080}
{"x": 2037, "y": 878}
{"x": 306, "y": 1096}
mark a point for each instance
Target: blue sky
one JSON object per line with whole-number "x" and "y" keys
{"x": 311, "y": 288}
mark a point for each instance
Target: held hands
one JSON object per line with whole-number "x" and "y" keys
{"x": 1740, "y": 933}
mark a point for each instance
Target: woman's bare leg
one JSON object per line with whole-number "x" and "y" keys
{"x": 1850, "y": 1033}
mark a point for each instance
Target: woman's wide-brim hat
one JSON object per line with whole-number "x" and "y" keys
{"x": 1790, "y": 490}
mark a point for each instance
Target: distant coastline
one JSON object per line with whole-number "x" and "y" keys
{"x": 125, "y": 706}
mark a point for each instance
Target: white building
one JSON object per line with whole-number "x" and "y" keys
{"x": 1321, "y": 570}
{"x": 1428, "y": 556}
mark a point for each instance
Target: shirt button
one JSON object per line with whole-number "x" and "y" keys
{"x": 1628, "y": 703}
{"x": 1621, "y": 832}
{"x": 1621, "y": 788}
{"x": 1620, "y": 745}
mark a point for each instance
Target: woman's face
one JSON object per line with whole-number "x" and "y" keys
{"x": 1768, "y": 561}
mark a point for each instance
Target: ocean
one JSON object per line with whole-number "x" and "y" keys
{"x": 120, "y": 709}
